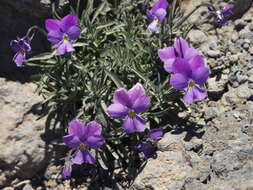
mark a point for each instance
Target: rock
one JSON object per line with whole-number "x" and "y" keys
{"x": 213, "y": 53}
{"x": 197, "y": 37}
{"x": 22, "y": 149}
{"x": 216, "y": 86}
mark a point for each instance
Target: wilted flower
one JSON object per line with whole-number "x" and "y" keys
{"x": 190, "y": 74}
{"x": 83, "y": 137}
{"x": 127, "y": 105}
{"x": 155, "y": 134}
{"x": 157, "y": 14}
{"x": 22, "y": 48}
{"x": 180, "y": 49}
{"x": 222, "y": 14}
{"x": 147, "y": 149}
{"x": 62, "y": 32}
{"x": 67, "y": 169}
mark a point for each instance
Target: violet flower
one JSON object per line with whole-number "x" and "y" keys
{"x": 222, "y": 14}
{"x": 83, "y": 138}
{"x": 147, "y": 149}
{"x": 67, "y": 169}
{"x": 22, "y": 48}
{"x": 157, "y": 14}
{"x": 127, "y": 105}
{"x": 63, "y": 32}
{"x": 155, "y": 134}
{"x": 190, "y": 74}
{"x": 180, "y": 49}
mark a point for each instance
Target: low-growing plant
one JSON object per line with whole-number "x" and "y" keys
{"x": 106, "y": 79}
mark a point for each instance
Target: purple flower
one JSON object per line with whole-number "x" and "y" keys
{"x": 157, "y": 14}
{"x": 180, "y": 49}
{"x": 222, "y": 14}
{"x": 62, "y": 32}
{"x": 190, "y": 74}
{"x": 83, "y": 137}
{"x": 21, "y": 47}
{"x": 147, "y": 149}
{"x": 127, "y": 105}
{"x": 155, "y": 134}
{"x": 67, "y": 169}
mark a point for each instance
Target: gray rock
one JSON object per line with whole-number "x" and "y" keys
{"x": 213, "y": 53}
{"x": 197, "y": 37}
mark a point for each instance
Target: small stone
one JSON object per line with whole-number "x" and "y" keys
{"x": 239, "y": 24}
{"x": 197, "y": 37}
{"x": 213, "y": 53}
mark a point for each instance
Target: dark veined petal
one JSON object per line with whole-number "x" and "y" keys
{"x": 76, "y": 128}
{"x": 68, "y": 21}
{"x": 194, "y": 94}
{"x": 95, "y": 141}
{"x": 155, "y": 134}
{"x": 166, "y": 53}
{"x": 179, "y": 81}
{"x": 181, "y": 66}
{"x": 71, "y": 141}
{"x": 121, "y": 97}
{"x": 142, "y": 104}
{"x": 92, "y": 128}
{"x": 73, "y": 32}
{"x": 82, "y": 156}
{"x": 181, "y": 46}
{"x": 52, "y": 25}
{"x": 160, "y": 14}
{"x": 65, "y": 47}
{"x": 136, "y": 92}
{"x": 55, "y": 37}
{"x": 128, "y": 125}
{"x": 117, "y": 111}
{"x": 19, "y": 59}
{"x": 15, "y": 46}
{"x": 200, "y": 76}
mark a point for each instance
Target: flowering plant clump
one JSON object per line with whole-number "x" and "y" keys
{"x": 104, "y": 67}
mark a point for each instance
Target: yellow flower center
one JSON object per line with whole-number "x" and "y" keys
{"x": 65, "y": 38}
{"x": 191, "y": 84}
{"x": 156, "y": 21}
{"x": 82, "y": 147}
{"x": 23, "y": 52}
{"x": 131, "y": 114}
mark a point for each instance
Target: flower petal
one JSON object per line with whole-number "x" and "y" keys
{"x": 193, "y": 94}
{"x": 166, "y": 53}
{"x": 65, "y": 47}
{"x": 181, "y": 46}
{"x": 179, "y": 81}
{"x": 19, "y": 59}
{"x": 160, "y": 14}
{"x": 190, "y": 53}
{"x": 147, "y": 149}
{"x": 52, "y": 25}
{"x": 155, "y": 134}
{"x": 200, "y": 76}
{"x": 117, "y": 111}
{"x": 134, "y": 124}
{"x": 66, "y": 173}
{"x": 93, "y": 128}
{"x": 82, "y": 156}
{"x": 160, "y": 4}
{"x": 153, "y": 26}
{"x": 15, "y": 46}
{"x": 76, "y": 128}
{"x": 181, "y": 66}
{"x": 74, "y": 32}
{"x": 71, "y": 141}
{"x": 227, "y": 10}
{"x": 168, "y": 65}
{"x": 196, "y": 63}
{"x": 68, "y": 21}
{"x": 121, "y": 97}
{"x": 94, "y": 141}
{"x": 142, "y": 104}
{"x": 55, "y": 37}
{"x": 136, "y": 92}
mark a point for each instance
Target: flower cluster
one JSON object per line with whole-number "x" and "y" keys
{"x": 187, "y": 69}
{"x": 221, "y": 15}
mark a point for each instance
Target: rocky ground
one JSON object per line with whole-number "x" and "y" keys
{"x": 212, "y": 150}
